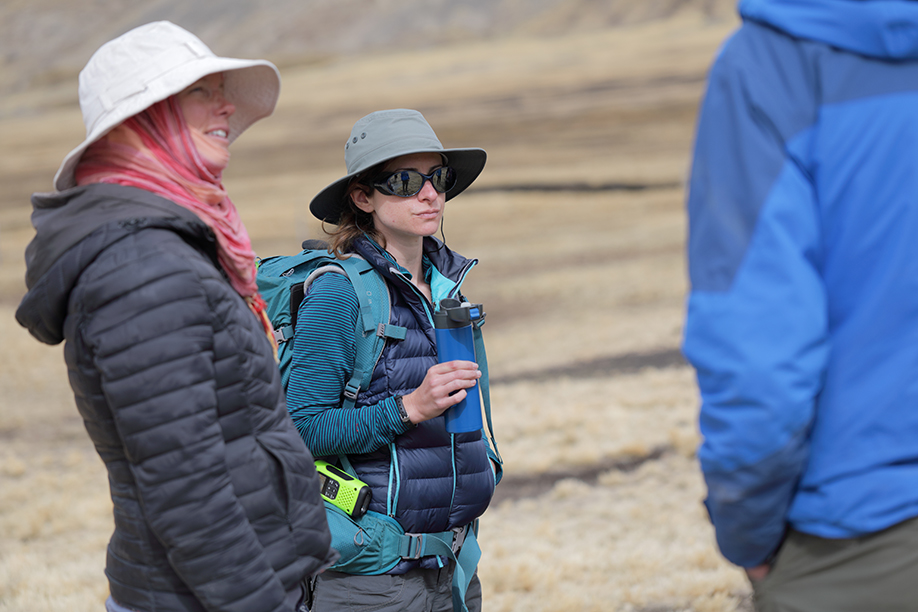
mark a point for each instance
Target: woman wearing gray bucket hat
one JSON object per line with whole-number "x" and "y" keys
{"x": 386, "y": 210}
{"x": 142, "y": 266}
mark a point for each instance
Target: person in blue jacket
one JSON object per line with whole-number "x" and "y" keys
{"x": 386, "y": 210}
{"x": 802, "y": 322}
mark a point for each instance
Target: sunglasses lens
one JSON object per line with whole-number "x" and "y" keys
{"x": 443, "y": 179}
{"x": 406, "y": 183}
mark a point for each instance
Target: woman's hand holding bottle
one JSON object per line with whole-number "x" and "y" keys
{"x": 443, "y": 386}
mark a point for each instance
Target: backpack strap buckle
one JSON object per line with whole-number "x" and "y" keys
{"x": 417, "y": 545}
{"x": 459, "y": 537}
{"x": 412, "y": 545}
{"x": 387, "y": 330}
{"x": 282, "y": 334}
{"x": 351, "y": 391}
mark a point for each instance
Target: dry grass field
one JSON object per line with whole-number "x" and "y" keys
{"x": 578, "y": 222}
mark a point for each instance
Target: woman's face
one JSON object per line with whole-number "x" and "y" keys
{"x": 207, "y": 114}
{"x": 398, "y": 218}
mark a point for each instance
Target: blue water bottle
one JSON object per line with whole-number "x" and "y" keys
{"x": 453, "y": 326}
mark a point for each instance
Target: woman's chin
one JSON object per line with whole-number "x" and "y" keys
{"x": 430, "y": 231}
{"x": 213, "y": 151}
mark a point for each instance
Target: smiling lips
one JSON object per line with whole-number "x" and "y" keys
{"x": 219, "y": 133}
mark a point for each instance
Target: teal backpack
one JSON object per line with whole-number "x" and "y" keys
{"x": 283, "y": 281}
{"x": 374, "y": 543}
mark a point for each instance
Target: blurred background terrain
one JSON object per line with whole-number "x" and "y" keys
{"x": 587, "y": 110}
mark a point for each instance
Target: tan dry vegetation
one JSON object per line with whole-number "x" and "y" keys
{"x": 565, "y": 277}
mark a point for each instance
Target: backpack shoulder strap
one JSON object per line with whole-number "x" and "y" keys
{"x": 373, "y": 327}
{"x": 481, "y": 358}
{"x": 283, "y": 281}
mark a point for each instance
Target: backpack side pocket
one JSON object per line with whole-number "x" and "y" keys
{"x": 368, "y": 545}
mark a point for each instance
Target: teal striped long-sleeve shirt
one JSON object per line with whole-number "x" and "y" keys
{"x": 323, "y": 362}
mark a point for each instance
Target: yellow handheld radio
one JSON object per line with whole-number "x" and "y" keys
{"x": 343, "y": 490}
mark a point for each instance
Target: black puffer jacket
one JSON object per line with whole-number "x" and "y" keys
{"x": 216, "y": 500}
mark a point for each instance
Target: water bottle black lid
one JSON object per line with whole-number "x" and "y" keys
{"x": 453, "y": 314}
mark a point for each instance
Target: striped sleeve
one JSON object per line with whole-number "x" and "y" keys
{"x": 323, "y": 362}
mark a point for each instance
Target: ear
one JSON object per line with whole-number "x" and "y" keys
{"x": 361, "y": 198}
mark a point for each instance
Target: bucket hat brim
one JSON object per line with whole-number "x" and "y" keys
{"x": 252, "y": 86}
{"x": 385, "y": 135}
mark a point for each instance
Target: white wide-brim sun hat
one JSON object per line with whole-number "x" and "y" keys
{"x": 152, "y": 62}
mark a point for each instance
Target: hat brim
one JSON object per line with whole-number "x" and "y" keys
{"x": 252, "y": 86}
{"x": 468, "y": 164}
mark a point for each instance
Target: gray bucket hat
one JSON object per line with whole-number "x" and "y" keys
{"x": 385, "y": 135}
{"x": 152, "y": 62}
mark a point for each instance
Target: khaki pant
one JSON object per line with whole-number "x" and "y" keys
{"x": 873, "y": 573}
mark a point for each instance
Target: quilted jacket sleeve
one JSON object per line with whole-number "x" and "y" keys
{"x": 150, "y": 326}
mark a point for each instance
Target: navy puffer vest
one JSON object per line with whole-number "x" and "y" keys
{"x": 444, "y": 480}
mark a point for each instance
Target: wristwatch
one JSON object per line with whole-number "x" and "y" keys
{"x": 401, "y": 411}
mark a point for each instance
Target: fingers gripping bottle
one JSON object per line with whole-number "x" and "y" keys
{"x": 453, "y": 323}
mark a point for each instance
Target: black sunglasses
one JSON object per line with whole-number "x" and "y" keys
{"x": 406, "y": 183}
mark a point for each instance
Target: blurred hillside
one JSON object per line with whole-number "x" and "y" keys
{"x": 44, "y": 42}
{"x": 576, "y": 95}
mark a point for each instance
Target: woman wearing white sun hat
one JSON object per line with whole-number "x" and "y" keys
{"x": 142, "y": 266}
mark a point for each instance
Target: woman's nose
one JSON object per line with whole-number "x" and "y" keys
{"x": 427, "y": 191}
{"x": 225, "y": 108}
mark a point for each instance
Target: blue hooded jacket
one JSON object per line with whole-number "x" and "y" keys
{"x": 802, "y": 322}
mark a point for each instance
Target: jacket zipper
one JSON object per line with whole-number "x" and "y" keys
{"x": 428, "y": 307}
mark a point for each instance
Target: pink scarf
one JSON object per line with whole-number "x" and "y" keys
{"x": 156, "y": 151}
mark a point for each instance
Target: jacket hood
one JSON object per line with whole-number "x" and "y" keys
{"x": 886, "y": 29}
{"x": 72, "y": 227}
